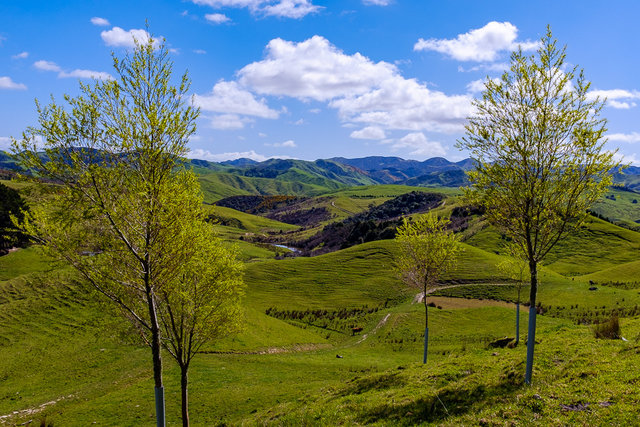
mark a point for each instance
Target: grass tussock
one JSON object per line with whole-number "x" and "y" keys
{"x": 609, "y": 329}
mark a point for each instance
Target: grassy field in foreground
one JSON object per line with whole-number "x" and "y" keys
{"x": 82, "y": 363}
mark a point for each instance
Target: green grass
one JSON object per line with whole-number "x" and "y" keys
{"x": 390, "y": 191}
{"x": 24, "y": 261}
{"x": 218, "y": 185}
{"x": 618, "y": 206}
{"x": 597, "y": 245}
{"x": 627, "y": 272}
{"x": 57, "y": 344}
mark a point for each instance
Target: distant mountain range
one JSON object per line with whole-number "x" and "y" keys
{"x": 309, "y": 178}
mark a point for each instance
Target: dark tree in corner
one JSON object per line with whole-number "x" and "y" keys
{"x": 538, "y": 142}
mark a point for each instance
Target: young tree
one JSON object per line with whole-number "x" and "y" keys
{"x": 538, "y": 142}
{"x": 123, "y": 197}
{"x": 204, "y": 302}
{"x": 516, "y": 268}
{"x": 427, "y": 250}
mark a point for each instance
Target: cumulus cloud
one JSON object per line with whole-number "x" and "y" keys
{"x": 118, "y": 37}
{"x": 229, "y": 122}
{"x": 400, "y": 103}
{"x": 199, "y": 153}
{"x": 286, "y": 144}
{"x": 86, "y": 74}
{"x": 627, "y": 159}
{"x": 313, "y": 69}
{"x": 361, "y": 90}
{"x": 77, "y": 73}
{"x": 100, "y": 22}
{"x": 47, "y": 66}
{"x": 370, "y": 132}
{"x": 632, "y": 137}
{"x": 478, "y": 85}
{"x": 7, "y": 83}
{"x": 295, "y": 9}
{"x": 5, "y": 142}
{"x": 21, "y": 55}
{"x": 420, "y": 145}
{"x": 621, "y": 99}
{"x": 231, "y": 98}
{"x": 200, "y": 51}
{"x": 217, "y": 18}
{"x": 480, "y": 45}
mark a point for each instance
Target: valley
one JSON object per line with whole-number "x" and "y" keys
{"x": 331, "y": 336}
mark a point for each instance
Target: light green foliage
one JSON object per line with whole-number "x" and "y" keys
{"x": 538, "y": 144}
{"x": 427, "y": 250}
{"x": 127, "y": 215}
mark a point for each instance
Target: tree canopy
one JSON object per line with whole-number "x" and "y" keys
{"x": 537, "y": 140}
{"x": 426, "y": 251}
{"x": 125, "y": 212}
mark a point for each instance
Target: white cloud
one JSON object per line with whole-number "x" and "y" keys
{"x": 499, "y": 67}
{"x": 200, "y": 51}
{"x": 482, "y": 44}
{"x": 627, "y": 159}
{"x": 199, "y": 153}
{"x": 313, "y": 69}
{"x": 86, "y": 74}
{"x": 620, "y": 99}
{"x": 287, "y": 144}
{"x": 100, "y": 22}
{"x": 370, "y": 132}
{"x": 624, "y": 137}
{"x": 362, "y": 91}
{"x": 120, "y": 38}
{"x": 420, "y": 145}
{"x": 401, "y": 103}
{"x": 479, "y": 85}
{"x": 47, "y": 66}
{"x": 229, "y": 122}
{"x": 7, "y": 83}
{"x": 262, "y": 135}
{"x": 230, "y": 98}
{"x": 376, "y": 2}
{"x": 299, "y": 122}
{"x": 295, "y": 9}
{"x": 77, "y": 73}
{"x": 217, "y": 18}
{"x": 21, "y": 55}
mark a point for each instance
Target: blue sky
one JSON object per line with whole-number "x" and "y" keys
{"x": 313, "y": 79}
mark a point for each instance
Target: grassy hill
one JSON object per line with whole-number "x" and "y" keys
{"x": 69, "y": 359}
{"x": 284, "y": 372}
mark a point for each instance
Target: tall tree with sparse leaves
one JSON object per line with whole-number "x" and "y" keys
{"x": 126, "y": 213}
{"x": 537, "y": 139}
{"x": 426, "y": 251}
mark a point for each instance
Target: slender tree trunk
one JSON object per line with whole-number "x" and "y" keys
{"x": 531, "y": 335}
{"x": 426, "y": 327}
{"x": 518, "y": 315}
{"x": 184, "y": 383}
{"x": 157, "y": 360}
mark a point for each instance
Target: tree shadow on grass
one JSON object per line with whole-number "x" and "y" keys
{"x": 439, "y": 406}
